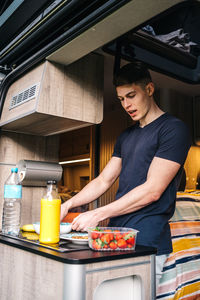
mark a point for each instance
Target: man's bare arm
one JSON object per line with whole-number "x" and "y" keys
{"x": 96, "y": 187}
{"x": 160, "y": 174}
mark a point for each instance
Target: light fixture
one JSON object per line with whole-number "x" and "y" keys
{"x": 73, "y": 161}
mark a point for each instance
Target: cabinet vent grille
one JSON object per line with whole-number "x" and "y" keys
{"x": 24, "y": 96}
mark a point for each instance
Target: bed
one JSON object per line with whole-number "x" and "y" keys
{"x": 181, "y": 273}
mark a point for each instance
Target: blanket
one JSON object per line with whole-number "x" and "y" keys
{"x": 181, "y": 272}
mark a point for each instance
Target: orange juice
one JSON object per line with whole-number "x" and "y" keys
{"x": 50, "y": 221}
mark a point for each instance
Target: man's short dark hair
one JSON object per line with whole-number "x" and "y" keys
{"x": 135, "y": 72}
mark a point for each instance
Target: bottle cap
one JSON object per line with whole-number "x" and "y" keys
{"x": 14, "y": 170}
{"x": 51, "y": 182}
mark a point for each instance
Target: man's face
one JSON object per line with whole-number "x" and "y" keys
{"x": 136, "y": 100}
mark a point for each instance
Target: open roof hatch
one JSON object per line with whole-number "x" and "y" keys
{"x": 169, "y": 43}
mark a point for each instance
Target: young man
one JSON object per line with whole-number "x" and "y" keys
{"x": 148, "y": 158}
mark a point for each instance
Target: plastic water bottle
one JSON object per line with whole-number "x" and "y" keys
{"x": 12, "y": 204}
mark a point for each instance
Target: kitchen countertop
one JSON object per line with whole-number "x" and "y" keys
{"x": 83, "y": 256}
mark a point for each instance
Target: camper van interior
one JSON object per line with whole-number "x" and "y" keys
{"x": 58, "y": 104}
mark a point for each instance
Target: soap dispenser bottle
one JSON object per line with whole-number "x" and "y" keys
{"x": 50, "y": 215}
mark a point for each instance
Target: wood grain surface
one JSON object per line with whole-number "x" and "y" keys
{"x": 68, "y": 97}
{"x": 15, "y": 147}
{"x": 26, "y": 276}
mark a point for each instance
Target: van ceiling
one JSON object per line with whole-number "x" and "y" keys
{"x": 15, "y": 15}
{"x": 4, "y": 5}
{"x": 36, "y": 25}
{"x": 128, "y": 41}
{"x": 169, "y": 43}
{"x": 66, "y": 30}
{"x": 129, "y": 16}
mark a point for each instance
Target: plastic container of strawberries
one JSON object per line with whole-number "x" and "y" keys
{"x": 112, "y": 238}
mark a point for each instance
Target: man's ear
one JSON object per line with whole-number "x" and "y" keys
{"x": 150, "y": 89}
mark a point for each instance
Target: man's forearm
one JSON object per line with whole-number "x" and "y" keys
{"x": 134, "y": 200}
{"x": 95, "y": 188}
{"x": 160, "y": 174}
{"x": 89, "y": 193}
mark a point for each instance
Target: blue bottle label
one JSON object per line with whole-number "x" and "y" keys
{"x": 12, "y": 191}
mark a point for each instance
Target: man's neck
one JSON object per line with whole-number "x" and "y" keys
{"x": 152, "y": 115}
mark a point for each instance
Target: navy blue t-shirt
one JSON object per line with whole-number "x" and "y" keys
{"x": 166, "y": 137}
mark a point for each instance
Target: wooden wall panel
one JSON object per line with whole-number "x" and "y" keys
{"x": 72, "y": 176}
{"x": 177, "y": 104}
{"x": 14, "y": 147}
{"x": 74, "y": 143}
{"x": 181, "y": 106}
{"x": 113, "y": 124}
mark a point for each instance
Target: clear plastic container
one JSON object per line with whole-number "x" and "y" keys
{"x": 50, "y": 215}
{"x": 112, "y": 238}
{"x": 11, "y": 218}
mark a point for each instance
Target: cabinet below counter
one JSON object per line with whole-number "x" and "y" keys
{"x": 33, "y": 272}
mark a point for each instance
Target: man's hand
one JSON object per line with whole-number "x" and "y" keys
{"x": 85, "y": 220}
{"x": 64, "y": 210}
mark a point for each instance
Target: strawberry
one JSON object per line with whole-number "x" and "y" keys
{"x": 111, "y": 236}
{"x": 118, "y": 236}
{"x": 105, "y": 238}
{"x": 121, "y": 243}
{"x": 113, "y": 245}
{"x": 129, "y": 238}
{"x": 94, "y": 235}
{"x": 96, "y": 245}
{"x": 131, "y": 241}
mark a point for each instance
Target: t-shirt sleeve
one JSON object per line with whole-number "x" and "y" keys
{"x": 174, "y": 142}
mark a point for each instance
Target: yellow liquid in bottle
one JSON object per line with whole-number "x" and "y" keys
{"x": 50, "y": 221}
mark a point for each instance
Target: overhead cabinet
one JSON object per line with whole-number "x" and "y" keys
{"x": 54, "y": 98}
